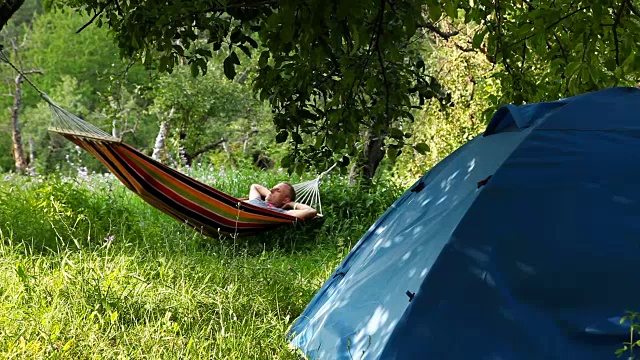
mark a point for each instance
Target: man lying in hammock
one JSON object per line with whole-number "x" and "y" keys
{"x": 280, "y": 198}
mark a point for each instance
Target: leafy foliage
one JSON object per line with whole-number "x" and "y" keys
{"x": 469, "y": 78}
{"x": 343, "y": 73}
{"x": 633, "y": 344}
{"x": 124, "y": 98}
{"x": 547, "y": 50}
{"x": 330, "y": 70}
{"x": 205, "y": 110}
{"x": 81, "y": 72}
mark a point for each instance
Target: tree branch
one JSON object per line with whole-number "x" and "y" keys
{"x": 206, "y": 148}
{"x": 374, "y": 36}
{"x": 443, "y": 34}
{"x": 616, "y": 22}
{"x": 524, "y": 54}
{"x": 129, "y": 131}
{"x": 499, "y": 28}
{"x": 240, "y": 5}
{"x": 120, "y": 12}
{"x": 549, "y": 27}
{"x": 564, "y": 53}
{"x": 470, "y": 48}
{"x": 94, "y": 17}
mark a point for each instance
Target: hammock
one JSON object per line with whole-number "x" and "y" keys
{"x": 209, "y": 211}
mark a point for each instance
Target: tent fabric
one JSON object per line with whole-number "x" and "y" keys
{"x": 522, "y": 244}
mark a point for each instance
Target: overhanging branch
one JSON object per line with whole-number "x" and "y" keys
{"x": 443, "y": 34}
{"x": 94, "y": 16}
{"x": 249, "y": 5}
{"x": 206, "y": 148}
{"x": 549, "y": 27}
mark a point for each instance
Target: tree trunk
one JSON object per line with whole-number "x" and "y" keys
{"x": 16, "y": 135}
{"x": 7, "y": 9}
{"x": 32, "y": 152}
{"x": 160, "y": 146}
{"x": 160, "y": 152}
{"x": 114, "y": 128}
{"x": 366, "y": 165}
{"x": 245, "y": 141}
{"x": 225, "y": 146}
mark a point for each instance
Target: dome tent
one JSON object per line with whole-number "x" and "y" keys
{"x": 522, "y": 244}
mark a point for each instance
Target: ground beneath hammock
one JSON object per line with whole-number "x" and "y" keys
{"x": 87, "y": 270}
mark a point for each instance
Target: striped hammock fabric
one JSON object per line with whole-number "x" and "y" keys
{"x": 207, "y": 210}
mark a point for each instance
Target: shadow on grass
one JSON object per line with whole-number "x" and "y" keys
{"x": 294, "y": 237}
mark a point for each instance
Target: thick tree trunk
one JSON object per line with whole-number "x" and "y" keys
{"x": 374, "y": 155}
{"x": 160, "y": 146}
{"x": 160, "y": 152}
{"x": 16, "y": 135}
{"x": 365, "y": 167}
{"x": 7, "y": 9}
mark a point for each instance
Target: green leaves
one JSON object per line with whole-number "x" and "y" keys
{"x": 194, "y": 69}
{"x": 397, "y": 134}
{"x": 422, "y": 148}
{"x": 336, "y": 73}
{"x": 229, "y": 65}
{"x": 435, "y": 10}
{"x": 282, "y": 136}
{"x": 478, "y": 38}
{"x": 264, "y": 57}
{"x": 547, "y": 50}
{"x": 451, "y": 8}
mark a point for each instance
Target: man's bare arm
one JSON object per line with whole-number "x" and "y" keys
{"x": 257, "y": 191}
{"x": 300, "y": 211}
{"x": 303, "y": 214}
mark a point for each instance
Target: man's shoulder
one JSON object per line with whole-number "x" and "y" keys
{"x": 257, "y": 201}
{"x": 264, "y": 204}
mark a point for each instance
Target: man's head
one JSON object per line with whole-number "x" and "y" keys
{"x": 281, "y": 194}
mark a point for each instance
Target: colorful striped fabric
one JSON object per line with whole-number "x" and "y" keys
{"x": 209, "y": 211}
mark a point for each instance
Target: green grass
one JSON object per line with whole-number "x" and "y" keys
{"x": 87, "y": 270}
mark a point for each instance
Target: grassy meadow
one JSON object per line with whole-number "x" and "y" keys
{"x": 89, "y": 271}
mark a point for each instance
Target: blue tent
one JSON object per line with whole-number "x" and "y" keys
{"x": 522, "y": 244}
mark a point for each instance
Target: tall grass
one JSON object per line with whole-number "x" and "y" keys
{"x": 88, "y": 270}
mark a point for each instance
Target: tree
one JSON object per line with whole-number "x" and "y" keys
{"x": 469, "y": 77}
{"x": 331, "y": 71}
{"x": 337, "y": 71}
{"x": 550, "y": 49}
{"x": 82, "y": 67}
{"x": 16, "y": 134}
{"x": 204, "y": 112}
